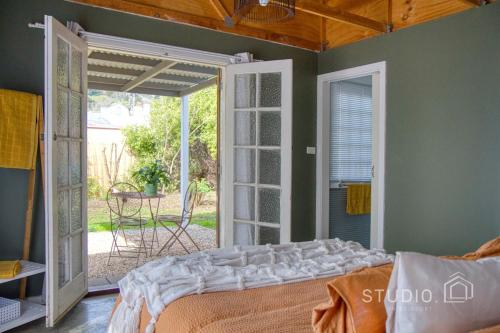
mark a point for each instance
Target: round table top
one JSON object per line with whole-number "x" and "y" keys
{"x": 137, "y": 195}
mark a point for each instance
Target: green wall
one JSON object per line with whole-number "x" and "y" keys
{"x": 21, "y": 60}
{"x": 443, "y": 129}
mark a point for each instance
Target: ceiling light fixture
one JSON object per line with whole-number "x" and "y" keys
{"x": 265, "y": 11}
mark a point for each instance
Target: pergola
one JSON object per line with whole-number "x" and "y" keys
{"x": 126, "y": 72}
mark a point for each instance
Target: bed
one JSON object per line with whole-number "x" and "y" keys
{"x": 284, "y": 308}
{"x": 252, "y": 289}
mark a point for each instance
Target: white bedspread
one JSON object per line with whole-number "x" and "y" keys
{"x": 160, "y": 282}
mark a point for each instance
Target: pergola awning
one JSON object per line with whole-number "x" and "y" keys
{"x": 123, "y": 72}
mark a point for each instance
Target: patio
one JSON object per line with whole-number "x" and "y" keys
{"x": 102, "y": 276}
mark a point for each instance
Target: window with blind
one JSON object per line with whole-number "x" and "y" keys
{"x": 350, "y": 132}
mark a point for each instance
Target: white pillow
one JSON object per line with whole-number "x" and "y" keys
{"x": 429, "y": 294}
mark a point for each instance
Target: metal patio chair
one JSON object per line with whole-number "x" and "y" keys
{"x": 181, "y": 221}
{"x": 125, "y": 204}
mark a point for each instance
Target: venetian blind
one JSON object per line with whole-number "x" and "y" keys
{"x": 350, "y": 132}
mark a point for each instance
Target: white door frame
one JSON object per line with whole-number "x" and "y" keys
{"x": 378, "y": 73}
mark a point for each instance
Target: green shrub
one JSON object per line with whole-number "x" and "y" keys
{"x": 94, "y": 189}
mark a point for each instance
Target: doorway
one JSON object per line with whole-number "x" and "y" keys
{"x": 146, "y": 112}
{"x": 351, "y": 155}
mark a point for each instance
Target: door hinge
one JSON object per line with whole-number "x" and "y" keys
{"x": 373, "y": 171}
{"x": 54, "y": 136}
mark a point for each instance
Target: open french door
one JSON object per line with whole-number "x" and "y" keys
{"x": 65, "y": 171}
{"x": 256, "y": 169}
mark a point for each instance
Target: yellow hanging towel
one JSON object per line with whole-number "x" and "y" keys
{"x": 359, "y": 199}
{"x": 19, "y": 114}
{"x": 9, "y": 269}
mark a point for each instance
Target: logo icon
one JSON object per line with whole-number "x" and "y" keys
{"x": 458, "y": 289}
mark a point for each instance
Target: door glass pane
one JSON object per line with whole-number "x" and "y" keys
{"x": 244, "y": 128}
{"x": 269, "y": 235}
{"x": 62, "y": 113}
{"x": 270, "y": 89}
{"x": 75, "y": 163}
{"x": 244, "y": 233}
{"x": 63, "y": 213}
{"x": 244, "y": 165}
{"x": 76, "y": 255}
{"x": 63, "y": 261}
{"x": 62, "y": 163}
{"x": 270, "y": 167}
{"x": 62, "y": 62}
{"x": 76, "y": 209}
{"x": 76, "y": 70}
{"x": 244, "y": 203}
{"x": 270, "y": 128}
{"x": 244, "y": 95}
{"x": 75, "y": 116}
{"x": 269, "y": 205}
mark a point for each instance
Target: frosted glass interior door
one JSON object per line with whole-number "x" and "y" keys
{"x": 66, "y": 213}
{"x": 257, "y": 164}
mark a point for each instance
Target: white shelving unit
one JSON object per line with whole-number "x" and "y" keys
{"x": 29, "y": 310}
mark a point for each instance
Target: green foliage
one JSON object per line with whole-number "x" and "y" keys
{"x": 94, "y": 189}
{"x": 141, "y": 142}
{"x": 204, "y": 186}
{"x": 153, "y": 173}
{"x": 161, "y": 140}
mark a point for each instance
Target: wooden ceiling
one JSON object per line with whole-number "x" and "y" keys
{"x": 317, "y": 25}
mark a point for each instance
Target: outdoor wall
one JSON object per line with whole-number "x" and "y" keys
{"x": 21, "y": 58}
{"x": 443, "y": 129}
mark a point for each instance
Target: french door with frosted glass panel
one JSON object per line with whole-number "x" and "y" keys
{"x": 257, "y": 164}
{"x": 66, "y": 217}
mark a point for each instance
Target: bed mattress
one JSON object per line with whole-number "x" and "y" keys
{"x": 274, "y": 309}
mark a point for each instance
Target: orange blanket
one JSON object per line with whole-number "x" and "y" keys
{"x": 276, "y": 309}
{"x": 356, "y": 303}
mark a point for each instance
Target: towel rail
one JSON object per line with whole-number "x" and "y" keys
{"x": 345, "y": 184}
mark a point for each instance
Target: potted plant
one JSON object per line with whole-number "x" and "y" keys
{"x": 151, "y": 176}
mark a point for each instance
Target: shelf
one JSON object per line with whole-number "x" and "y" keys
{"x": 28, "y": 268}
{"x": 29, "y": 311}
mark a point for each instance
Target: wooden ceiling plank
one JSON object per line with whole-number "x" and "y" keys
{"x": 389, "y": 15}
{"x": 322, "y": 31}
{"x": 200, "y": 21}
{"x": 474, "y": 3}
{"x": 340, "y": 15}
{"x": 220, "y": 9}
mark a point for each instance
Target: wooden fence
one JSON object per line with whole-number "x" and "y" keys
{"x": 108, "y": 161}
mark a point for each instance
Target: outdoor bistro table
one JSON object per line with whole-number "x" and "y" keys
{"x": 153, "y": 209}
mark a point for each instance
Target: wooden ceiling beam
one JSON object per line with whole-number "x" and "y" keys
{"x": 203, "y": 21}
{"x": 221, "y": 11}
{"x": 474, "y": 3}
{"x": 339, "y": 15}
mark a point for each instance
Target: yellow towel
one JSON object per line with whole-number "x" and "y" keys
{"x": 359, "y": 199}
{"x": 9, "y": 269}
{"x": 19, "y": 114}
